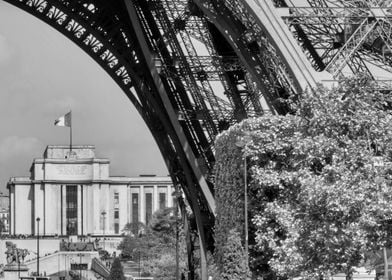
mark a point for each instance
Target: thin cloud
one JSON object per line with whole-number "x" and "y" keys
{"x": 42, "y": 76}
{"x": 14, "y": 146}
{"x": 16, "y": 155}
{"x": 59, "y": 105}
{"x": 5, "y": 50}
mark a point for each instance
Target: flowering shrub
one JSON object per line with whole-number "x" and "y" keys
{"x": 319, "y": 183}
{"x": 234, "y": 267}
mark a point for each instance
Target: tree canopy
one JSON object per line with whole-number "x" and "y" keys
{"x": 319, "y": 186}
{"x": 232, "y": 267}
{"x": 116, "y": 272}
{"x": 156, "y": 246}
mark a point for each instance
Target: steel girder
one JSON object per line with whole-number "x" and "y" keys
{"x": 345, "y": 37}
{"x": 167, "y": 55}
{"x": 102, "y": 32}
{"x": 105, "y": 32}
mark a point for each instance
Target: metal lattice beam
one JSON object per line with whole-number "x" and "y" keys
{"x": 193, "y": 68}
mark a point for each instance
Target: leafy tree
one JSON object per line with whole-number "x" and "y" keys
{"x": 233, "y": 266}
{"x": 116, "y": 272}
{"x": 164, "y": 221}
{"x": 134, "y": 228}
{"x": 156, "y": 246}
{"x": 320, "y": 180}
{"x": 129, "y": 246}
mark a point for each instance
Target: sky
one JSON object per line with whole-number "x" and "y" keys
{"x": 43, "y": 75}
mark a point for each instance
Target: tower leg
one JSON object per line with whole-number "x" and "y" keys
{"x": 202, "y": 240}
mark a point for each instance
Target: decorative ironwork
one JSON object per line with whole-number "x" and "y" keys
{"x": 193, "y": 68}
{"x": 343, "y": 36}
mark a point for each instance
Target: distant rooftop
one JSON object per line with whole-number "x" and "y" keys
{"x": 63, "y": 151}
{"x": 60, "y": 163}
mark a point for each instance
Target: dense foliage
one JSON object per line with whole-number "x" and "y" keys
{"x": 319, "y": 183}
{"x": 156, "y": 246}
{"x": 116, "y": 272}
{"x": 232, "y": 267}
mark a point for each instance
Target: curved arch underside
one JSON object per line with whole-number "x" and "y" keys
{"x": 193, "y": 68}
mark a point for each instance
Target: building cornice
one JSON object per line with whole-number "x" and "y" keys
{"x": 74, "y": 147}
{"x": 91, "y": 182}
{"x": 71, "y": 161}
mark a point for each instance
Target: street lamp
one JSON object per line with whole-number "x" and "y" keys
{"x": 139, "y": 263}
{"x": 38, "y": 219}
{"x": 80, "y": 264}
{"x": 177, "y": 195}
{"x": 378, "y": 162}
{"x": 242, "y": 142}
{"x": 18, "y": 257}
{"x": 103, "y": 213}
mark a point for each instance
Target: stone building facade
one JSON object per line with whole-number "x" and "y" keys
{"x": 4, "y": 213}
{"x": 71, "y": 193}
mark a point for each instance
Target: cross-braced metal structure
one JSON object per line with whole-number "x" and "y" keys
{"x": 194, "y": 67}
{"x": 343, "y": 37}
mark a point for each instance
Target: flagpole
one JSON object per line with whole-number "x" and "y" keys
{"x": 70, "y": 133}
{"x": 386, "y": 275}
{"x": 70, "y": 138}
{"x": 66, "y": 120}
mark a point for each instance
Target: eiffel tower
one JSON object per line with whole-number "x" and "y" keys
{"x": 192, "y": 68}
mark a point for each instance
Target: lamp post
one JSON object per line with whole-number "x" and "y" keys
{"x": 38, "y": 219}
{"x": 103, "y": 213}
{"x": 80, "y": 264}
{"x": 18, "y": 257}
{"x": 378, "y": 162}
{"x": 138, "y": 252}
{"x": 241, "y": 143}
{"x": 177, "y": 195}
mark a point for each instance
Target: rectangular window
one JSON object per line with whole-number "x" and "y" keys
{"x": 135, "y": 212}
{"x": 72, "y": 210}
{"x": 116, "y": 214}
{"x": 116, "y": 199}
{"x": 148, "y": 207}
{"x": 162, "y": 200}
{"x": 116, "y": 228}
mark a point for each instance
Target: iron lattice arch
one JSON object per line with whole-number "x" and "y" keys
{"x": 194, "y": 67}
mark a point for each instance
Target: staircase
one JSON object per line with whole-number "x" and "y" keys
{"x": 99, "y": 268}
{"x": 131, "y": 269}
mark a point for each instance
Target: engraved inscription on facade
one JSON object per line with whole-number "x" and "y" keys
{"x": 73, "y": 170}
{"x": 68, "y": 172}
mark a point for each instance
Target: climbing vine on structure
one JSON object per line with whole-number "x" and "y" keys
{"x": 318, "y": 182}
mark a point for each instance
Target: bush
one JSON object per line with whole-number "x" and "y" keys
{"x": 319, "y": 191}
{"x": 116, "y": 272}
{"x": 233, "y": 266}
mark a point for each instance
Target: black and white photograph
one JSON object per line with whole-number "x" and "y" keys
{"x": 196, "y": 139}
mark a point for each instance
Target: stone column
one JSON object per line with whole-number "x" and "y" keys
{"x": 106, "y": 207}
{"x": 12, "y": 215}
{"x": 89, "y": 209}
{"x": 129, "y": 204}
{"x": 169, "y": 190}
{"x": 64, "y": 209}
{"x": 96, "y": 211}
{"x": 155, "y": 199}
{"x": 79, "y": 200}
{"x": 39, "y": 207}
{"x": 142, "y": 205}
